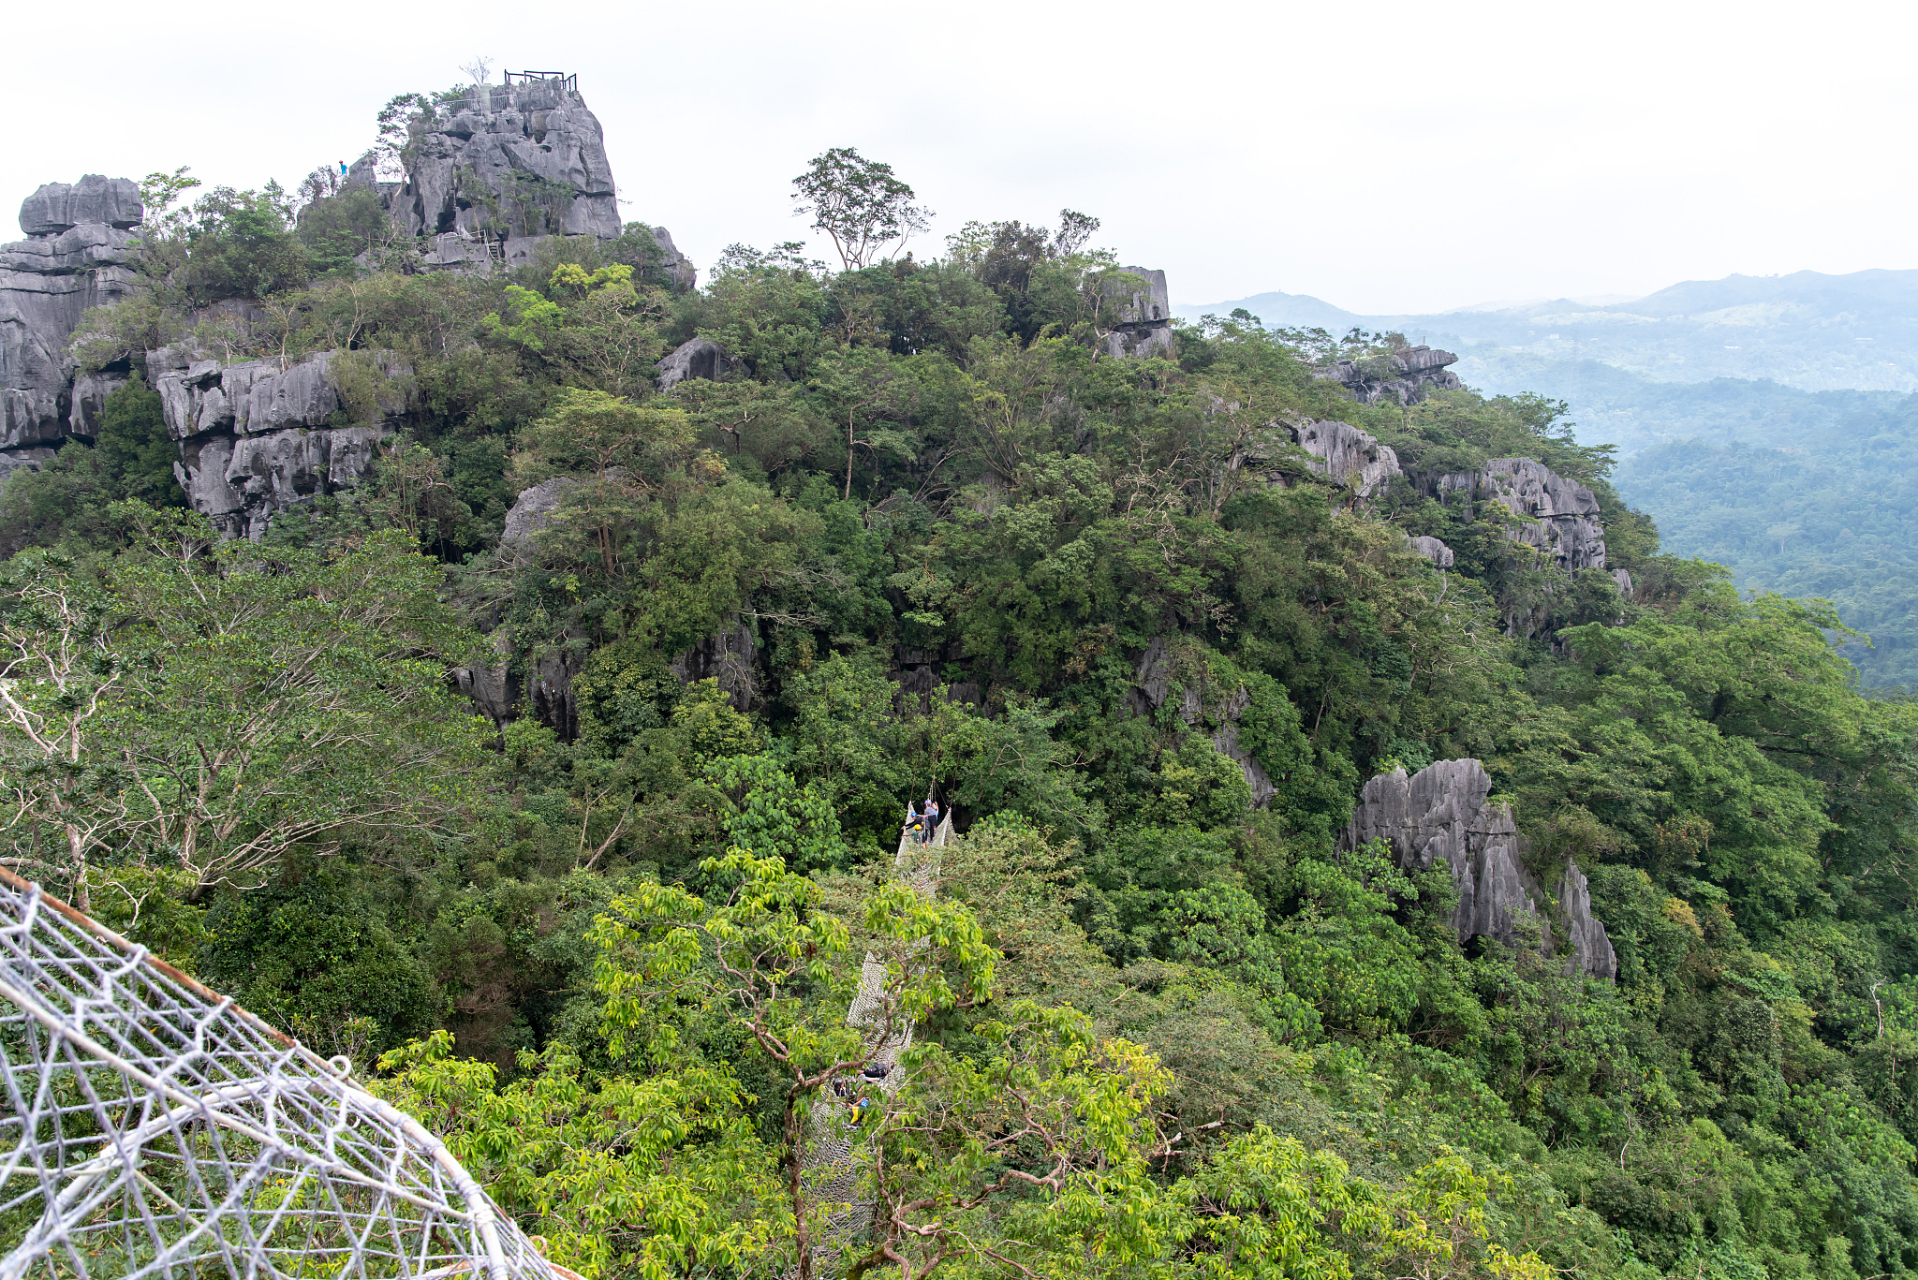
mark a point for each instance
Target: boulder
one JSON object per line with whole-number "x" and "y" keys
{"x": 533, "y": 509}
{"x": 1435, "y": 551}
{"x": 1623, "y": 577}
{"x": 695, "y": 358}
{"x": 1407, "y": 375}
{"x": 1348, "y": 455}
{"x": 75, "y": 257}
{"x": 492, "y": 689}
{"x": 678, "y": 267}
{"x": 1562, "y": 516}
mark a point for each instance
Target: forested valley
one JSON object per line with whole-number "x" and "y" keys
{"x": 571, "y": 831}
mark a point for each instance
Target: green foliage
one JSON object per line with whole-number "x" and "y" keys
{"x": 922, "y": 536}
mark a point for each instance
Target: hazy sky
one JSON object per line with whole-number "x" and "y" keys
{"x": 1388, "y": 157}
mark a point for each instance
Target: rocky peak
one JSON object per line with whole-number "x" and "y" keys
{"x": 1349, "y": 455}
{"x": 74, "y": 257}
{"x": 1407, "y": 375}
{"x": 60, "y": 206}
{"x": 508, "y": 162}
{"x": 1444, "y": 812}
{"x": 1143, "y": 323}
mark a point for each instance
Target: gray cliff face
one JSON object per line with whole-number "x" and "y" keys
{"x": 1441, "y": 812}
{"x": 1143, "y": 322}
{"x": 1350, "y": 456}
{"x": 728, "y": 656}
{"x": 1567, "y": 527}
{"x": 1158, "y": 667}
{"x": 74, "y": 257}
{"x": 695, "y": 358}
{"x": 256, "y": 439}
{"x": 1408, "y": 375}
{"x": 1435, "y": 550}
{"x": 509, "y": 162}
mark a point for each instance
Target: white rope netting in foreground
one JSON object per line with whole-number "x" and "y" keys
{"x": 154, "y": 1128}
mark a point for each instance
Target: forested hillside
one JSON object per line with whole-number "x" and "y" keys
{"x": 551, "y": 767}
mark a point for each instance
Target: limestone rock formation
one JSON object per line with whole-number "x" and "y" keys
{"x": 1442, "y": 812}
{"x": 1153, "y": 677}
{"x": 1623, "y": 577}
{"x": 1349, "y": 455}
{"x": 1408, "y": 375}
{"x": 493, "y": 688}
{"x": 1143, "y": 324}
{"x": 58, "y": 207}
{"x": 533, "y": 509}
{"x": 74, "y": 257}
{"x": 728, "y": 656}
{"x": 695, "y": 358}
{"x": 1563, "y": 514}
{"x": 1434, "y": 550}
{"x": 1592, "y": 950}
{"x": 257, "y": 439}
{"x": 508, "y": 162}
{"x": 678, "y": 267}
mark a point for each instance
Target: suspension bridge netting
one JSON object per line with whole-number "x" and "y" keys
{"x": 153, "y": 1128}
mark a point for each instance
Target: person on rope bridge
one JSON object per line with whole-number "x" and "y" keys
{"x": 932, "y": 820}
{"x": 915, "y": 825}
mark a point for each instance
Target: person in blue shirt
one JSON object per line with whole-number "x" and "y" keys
{"x": 932, "y": 819}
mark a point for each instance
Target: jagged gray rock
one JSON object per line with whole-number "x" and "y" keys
{"x": 1623, "y": 577}
{"x": 1408, "y": 375}
{"x": 728, "y": 656}
{"x": 75, "y": 257}
{"x": 1442, "y": 812}
{"x": 695, "y": 358}
{"x": 257, "y": 438}
{"x": 492, "y": 689}
{"x": 1592, "y": 950}
{"x": 678, "y": 267}
{"x": 1563, "y": 514}
{"x": 1435, "y": 551}
{"x": 533, "y": 509}
{"x": 58, "y": 206}
{"x": 1349, "y": 455}
{"x": 509, "y": 162}
{"x": 1143, "y": 324}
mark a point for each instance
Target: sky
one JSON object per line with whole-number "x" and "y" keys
{"x": 1391, "y": 158}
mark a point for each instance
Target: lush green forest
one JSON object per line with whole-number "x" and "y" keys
{"x": 606, "y": 946}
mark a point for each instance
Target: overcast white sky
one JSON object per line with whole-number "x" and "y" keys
{"x": 1390, "y": 157}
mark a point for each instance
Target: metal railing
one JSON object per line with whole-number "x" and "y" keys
{"x": 568, "y": 84}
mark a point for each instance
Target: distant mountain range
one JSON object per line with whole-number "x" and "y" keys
{"x": 1807, "y": 330}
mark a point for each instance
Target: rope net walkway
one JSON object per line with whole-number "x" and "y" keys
{"x": 152, "y": 1127}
